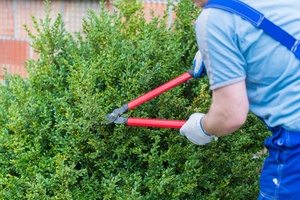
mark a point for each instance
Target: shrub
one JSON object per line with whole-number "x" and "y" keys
{"x": 54, "y": 144}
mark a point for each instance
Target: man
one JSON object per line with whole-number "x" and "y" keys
{"x": 248, "y": 69}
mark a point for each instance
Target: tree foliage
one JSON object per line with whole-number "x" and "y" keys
{"x": 54, "y": 144}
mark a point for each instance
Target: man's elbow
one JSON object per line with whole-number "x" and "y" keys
{"x": 235, "y": 122}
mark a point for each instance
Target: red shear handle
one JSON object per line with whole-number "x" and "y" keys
{"x": 153, "y": 93}
{"x": 159, "y": 123}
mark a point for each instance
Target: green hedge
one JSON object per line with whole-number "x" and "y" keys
{"x": 54, "y": 144}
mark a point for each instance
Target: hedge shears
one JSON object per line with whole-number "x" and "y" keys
{"x": 117, "y": 118}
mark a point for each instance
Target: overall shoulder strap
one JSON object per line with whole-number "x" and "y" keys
{"x": 259, "y": 20}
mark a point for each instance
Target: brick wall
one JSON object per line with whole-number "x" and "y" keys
{"x": 14, "y": 42}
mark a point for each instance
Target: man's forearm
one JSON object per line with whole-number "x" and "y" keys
{"x": 220, "y": 123}
{"x": 228, "y": 111}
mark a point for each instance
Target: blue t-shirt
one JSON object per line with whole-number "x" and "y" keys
{"x": 234, "y": 50}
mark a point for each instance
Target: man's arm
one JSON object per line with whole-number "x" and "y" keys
{"x": 228, "y": 110}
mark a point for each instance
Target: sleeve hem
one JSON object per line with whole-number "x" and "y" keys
{"x": 225, "y": 83}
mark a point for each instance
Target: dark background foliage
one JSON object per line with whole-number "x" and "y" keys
{"x": 53, "y": 141}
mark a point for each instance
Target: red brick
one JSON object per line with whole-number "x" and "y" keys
{"x": 75, "y": 11}
{"x": 109, "y": 6}
{"x": 158, "y": 9}
{"x": 13, "y": 54}
{"x": 26, "y": 9}
{"x": 6, "y": 18}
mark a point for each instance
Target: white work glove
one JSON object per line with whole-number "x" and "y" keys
{"x": 193, "y": 130}
{"x": 198, "y": 66}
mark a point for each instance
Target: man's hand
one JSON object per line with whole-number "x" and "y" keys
{"x": 198, "y": 66}
{"x": 193, "y": 130}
